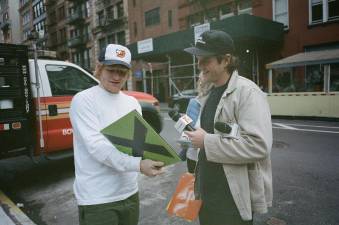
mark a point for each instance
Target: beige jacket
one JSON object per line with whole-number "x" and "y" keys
{"x": 246, "y": 159}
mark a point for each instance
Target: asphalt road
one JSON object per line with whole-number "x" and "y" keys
{"x": 305, "y": 159}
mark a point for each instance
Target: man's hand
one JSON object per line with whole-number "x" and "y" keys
{"x": 151, "y": 168}
{"x": 197, "y": 137}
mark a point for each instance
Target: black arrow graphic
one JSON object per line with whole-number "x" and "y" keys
{"x": 138, "y": 143}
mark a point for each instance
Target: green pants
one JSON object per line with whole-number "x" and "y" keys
{"x": 125, "y": 212}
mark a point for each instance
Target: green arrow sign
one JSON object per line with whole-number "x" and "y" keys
{"x": 132, "y": 135}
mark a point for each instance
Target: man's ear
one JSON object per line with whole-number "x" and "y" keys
{"x": 228, "y": 58}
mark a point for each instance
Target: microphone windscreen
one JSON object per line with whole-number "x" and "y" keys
{"x": 223, "y": 127}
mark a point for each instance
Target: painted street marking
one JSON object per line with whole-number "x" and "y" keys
{"x": 285, "y": 126}
{"x": 307, "y": 130}
{"x": 303, "y": 125}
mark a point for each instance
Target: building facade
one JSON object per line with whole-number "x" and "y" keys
{"x": 157, "y": 31}
{"x": 264, "y": 31}
{"x": 179, "y": 70}
{"x": 9, "y": 22}
{"x": 147, "y": 20}
{"x": 26, "y": 20}
{"x": 79, "y": 25}
{"x": 57, "y": 28}
{"x": 110, "y": 24}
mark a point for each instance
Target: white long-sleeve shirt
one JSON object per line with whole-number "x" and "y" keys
{"x": 102, "y": 173}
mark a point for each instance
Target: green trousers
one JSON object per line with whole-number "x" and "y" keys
{"x": 125, "y": 212}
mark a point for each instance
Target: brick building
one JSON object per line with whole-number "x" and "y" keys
{"x": 56, "y": 27}
{"x": 264, "y": 31}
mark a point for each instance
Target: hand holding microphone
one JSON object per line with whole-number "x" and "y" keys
{"x": 183, "y": 121}
{"x": 197, "y": 137}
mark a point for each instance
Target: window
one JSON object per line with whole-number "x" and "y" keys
{"x": 135, "y": 28}
{"x": 40, "y": 27}
{"x": 152, "y": 17}
{"x": 76, "y": 58}
{"x": 196, "y": 19}
{"x": 169, "y": 18}
{"x": 211, "y": 15}
{"x": 110, "y": 12}
{"x": 317, "y": 11}
{"x": 120, "y": 9}
{"x": 101, "y": 18}
{"x": 333, "y": 9}
{"x": 334, "y": 77}
{"x": 102, "y": 43}
{"x": 322, "y": 11}
{"x": 283, "y": 81}
{"x": 87, "y": 63}
{"x": 121, "y": 38}
{"x": 22, "y": 2}
{"x": 26, "y": 34}
{"x": 226, "y": 11}
{"x": 38, "y": 9}
{"x": 61, "y": 12}
{"x": 88, "y": 9}
{"x": 67, "y": 80}
{"x": 111, "y": 38}
{"x": 314, "y": 79}
{"x": 5, "y": 16}
{"x": 62, "y": 33}
{"x": 52, "y": 17}
{"x": 25, "y": 18}
{"x": 280, "y": 12}
{"x": 54, "y": 38}
{"x": 245, "y": 6}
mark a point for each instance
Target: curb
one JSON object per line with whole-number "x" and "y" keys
{"x": 10, "y": 214}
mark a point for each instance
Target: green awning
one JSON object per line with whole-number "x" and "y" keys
{"x": 245, "y": 29}
{"x": 306, "y": 58}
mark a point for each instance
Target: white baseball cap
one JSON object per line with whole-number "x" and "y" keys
{"x": 115, "y": 54}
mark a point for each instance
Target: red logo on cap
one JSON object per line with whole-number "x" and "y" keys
{"x": 120, "y": 53}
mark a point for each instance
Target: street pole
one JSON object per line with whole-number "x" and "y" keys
{"x": 144, "y": 79}
{"x": 169, "y": 76}
{"x": 37, "y": 83}
{"x": 194, "y": 74}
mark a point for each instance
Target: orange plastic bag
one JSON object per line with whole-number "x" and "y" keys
{"x": 183, "y": 203}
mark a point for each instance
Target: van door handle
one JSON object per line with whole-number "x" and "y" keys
{"x": 52, "y": 110}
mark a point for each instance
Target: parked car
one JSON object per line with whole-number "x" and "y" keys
{"x": 180, "y": 100}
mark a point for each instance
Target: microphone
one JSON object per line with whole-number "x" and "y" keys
{"x": 223, "y": 127}
{"x": 176, "y": 117}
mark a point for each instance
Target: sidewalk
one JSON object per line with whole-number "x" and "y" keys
{"x": 164, "y": 107}
{"x": 10, "y": 214}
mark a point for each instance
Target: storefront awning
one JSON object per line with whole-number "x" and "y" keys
{"x": 252, "y": 30}
{"x": 306, "y": 58}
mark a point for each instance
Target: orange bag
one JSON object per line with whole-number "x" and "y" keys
{"x": 183, "y": 203}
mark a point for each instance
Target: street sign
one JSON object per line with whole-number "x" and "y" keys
{"x": 145, "y": 45}
{"x": 198, "y": 30}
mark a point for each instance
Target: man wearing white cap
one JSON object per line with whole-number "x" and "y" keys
{"x": 105, "y": 184}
